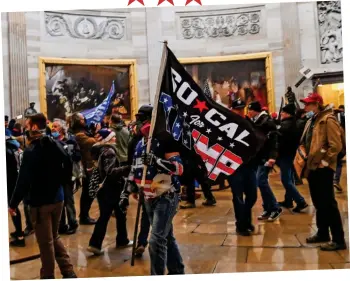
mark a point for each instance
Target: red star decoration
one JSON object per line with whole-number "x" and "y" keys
{"x": 140, "y": 1}
{"x": 189, "y": 1}
{"x": 201, "y": 105}
{"x": 170, "y": 1}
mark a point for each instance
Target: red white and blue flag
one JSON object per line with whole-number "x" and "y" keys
{"x": 222, "y": 140}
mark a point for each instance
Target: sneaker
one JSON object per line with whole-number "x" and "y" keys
{"x": 129, "y": 244}
{"x": 264, "y": 216}
{"x": 87, "y": 221}
{"x": 18, "y": 242}
{"x": 275, "y": 215}
{"x": 95, "y": 251}
{"x": 211, "y": 202}
{"x": 317, "y": 239}
{"x": 300, "y": 207}
{"x": 69, "y": 275}
{"x": 28, "y": 232}
{"x": 338, "y": 187}
{"x": 243, "y": 232}
{"x": 188, "y": 205}
{"x": 333, "y": 246}
{"x": 251, "y": 228}
{"x": 72, "y": 230}
{"x": 286, "y": 205}
{"x": 139, "y": 251}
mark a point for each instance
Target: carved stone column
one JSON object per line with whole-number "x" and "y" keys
{"x": 291, "y": 43}
{"x": 18, "y": 64}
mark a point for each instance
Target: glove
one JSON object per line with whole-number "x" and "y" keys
{"x": 124, "y": 204}
{"x": 148, "y": 159}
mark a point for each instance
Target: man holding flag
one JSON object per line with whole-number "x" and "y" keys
{"x": 184, "y": 120}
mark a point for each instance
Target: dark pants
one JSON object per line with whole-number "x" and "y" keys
{"x": 144, "y": 229}
{"x": 69, "y": 214}
{"x": 243, "y": 183}
{"x": 17, "y": 219}
{"x": 46, "y": 221}
{"x": 163, "y": 248}
{"x": 338, "y": 172}
{"x": 108, "y": 200}
{"x": 27, "y": 214}
{"x": 190, "y": 174}
{"x": 287, "y": 179}
{"x": 323, "y": 198}
{"x": 269, "y": 200}
{"x": 85, "y": 199}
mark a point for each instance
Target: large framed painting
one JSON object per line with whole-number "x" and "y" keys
{"x": 75, "y": 85}
{"x": 225, "y": 78}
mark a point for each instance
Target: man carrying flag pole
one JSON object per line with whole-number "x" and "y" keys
{"x": 155, "y": 171}
{"x": 185, "y": 120}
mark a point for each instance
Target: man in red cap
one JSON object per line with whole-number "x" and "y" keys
{"x": 322, "y": 142}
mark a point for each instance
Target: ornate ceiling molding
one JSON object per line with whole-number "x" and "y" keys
{"x": 81, "y": 26}
{"x": 330, "y": 31}
{"x": 216, "y": 24}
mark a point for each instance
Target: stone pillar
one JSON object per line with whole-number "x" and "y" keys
{"x": 291, "y": 45}
{"x": 18, "y": 64}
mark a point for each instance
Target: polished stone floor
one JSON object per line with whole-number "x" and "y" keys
{"x": 207, "y": 241}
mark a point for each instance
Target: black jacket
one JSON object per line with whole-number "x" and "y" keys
{"x": 11, "y": 168}
{"x": 111, "y": 174}
{"x": 45, "y": 168}
{"x": 288, "y": 138}
{"x": 301, "y": 123}
{"x": 266, "y": 126}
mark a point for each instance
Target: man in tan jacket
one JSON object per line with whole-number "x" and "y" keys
{"x": 322, "y": 142}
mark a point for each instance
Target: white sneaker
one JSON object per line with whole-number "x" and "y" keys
{"x": 95, "y": 251}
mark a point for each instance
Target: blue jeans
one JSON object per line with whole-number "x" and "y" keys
{"x": 269, "y": 200}
{"x": 287, "y": 179}
{"x": 338, "y": 171}
{"x": 163, "y": 248}
{"x": 243, "y": 182}
{"x": 144, "y": 231}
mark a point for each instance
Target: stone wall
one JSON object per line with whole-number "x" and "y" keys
{"x": 293, "y": 32}
{"x": 263, "y": 34}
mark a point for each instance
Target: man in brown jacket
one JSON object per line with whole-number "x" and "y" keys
{"x": 322, "y": 142}
{"x": 85, "y": 142}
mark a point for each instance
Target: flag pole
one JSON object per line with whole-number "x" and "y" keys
{"x": 148, "y": 148}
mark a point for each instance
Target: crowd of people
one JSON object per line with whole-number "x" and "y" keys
{"x": 46, "y": 165}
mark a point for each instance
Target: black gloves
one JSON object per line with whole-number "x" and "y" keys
{"x": 124, "y": 203}
{"x": 149, "y": 159}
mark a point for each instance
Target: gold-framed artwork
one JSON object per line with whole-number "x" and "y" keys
{"x": 74, "y": 85}
{"x": 246, "y": 76}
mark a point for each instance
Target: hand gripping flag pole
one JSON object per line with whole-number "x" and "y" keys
{"x": 148, "y": 148}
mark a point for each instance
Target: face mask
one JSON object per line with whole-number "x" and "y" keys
{"x": 55, "y": 135}
{"x": 309, "y": 114}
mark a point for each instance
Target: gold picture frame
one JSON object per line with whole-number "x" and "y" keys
{"x": 244, "y": 57}
{"x": 133, "y": 85}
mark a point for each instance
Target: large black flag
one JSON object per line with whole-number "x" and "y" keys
{"x": 222, "y": 139}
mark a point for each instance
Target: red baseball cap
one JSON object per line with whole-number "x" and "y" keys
{"x": 313, "y": 98}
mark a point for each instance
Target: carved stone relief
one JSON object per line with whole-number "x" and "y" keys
{"x": 85, "y": 27}
{"x": 330, "y": 28}
{"x": 222, "y": 25}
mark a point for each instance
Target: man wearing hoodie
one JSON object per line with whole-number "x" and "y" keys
{"x": 109, "y": 189}
{"x": 322, "y": 143}
{"x": 122, "y": 136}
{"x": 45, "y": 169}
{"x": 288, "y": 144}
{"x": 266, "y": 160}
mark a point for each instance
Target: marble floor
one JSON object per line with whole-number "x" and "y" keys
{"x": 207, "y": 241}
